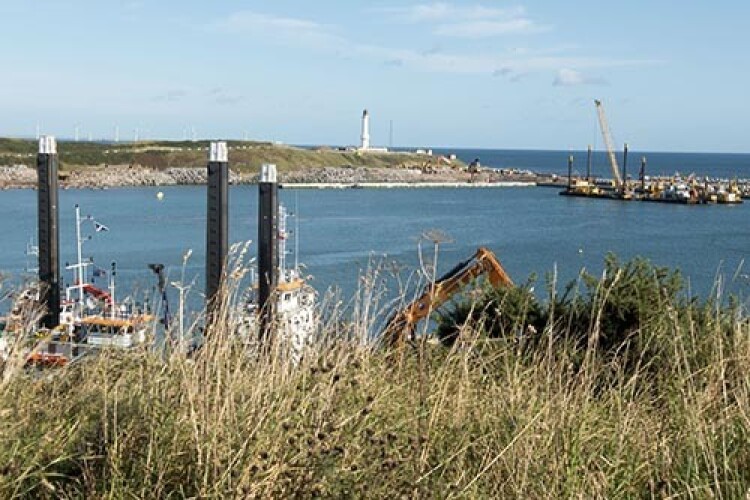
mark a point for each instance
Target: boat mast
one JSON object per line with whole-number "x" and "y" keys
{"x": 282, "y": 242}
{"x": 79, "y": 265}
{"x": 112, "y": 290}
{"x": 296, "y": 232}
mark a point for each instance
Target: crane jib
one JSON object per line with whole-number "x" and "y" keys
{"x": 607, "y": 135}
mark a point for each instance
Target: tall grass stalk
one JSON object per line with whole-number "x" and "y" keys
{"x": 487, "y": 417}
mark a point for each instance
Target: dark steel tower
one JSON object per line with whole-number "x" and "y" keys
{"x": 268, "y": 244}
{"x": 217, "y": 220}
{"x": 49, "y": 234}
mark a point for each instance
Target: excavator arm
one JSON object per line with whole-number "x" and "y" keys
{"x": 403, "y": 324}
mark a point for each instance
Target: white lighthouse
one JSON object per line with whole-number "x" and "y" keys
{"x": 365, "y": 144}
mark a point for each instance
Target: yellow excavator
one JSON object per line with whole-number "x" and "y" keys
{"x": 403, "y": 324}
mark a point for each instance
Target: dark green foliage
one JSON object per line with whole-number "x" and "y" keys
{"x": 615, "y": 314}
{"x": 501, "y": 313}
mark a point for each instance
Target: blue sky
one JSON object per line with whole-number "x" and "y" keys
{"x": 673, "y": 75}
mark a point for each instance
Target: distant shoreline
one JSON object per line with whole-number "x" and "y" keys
{"x": 24, "y": 177}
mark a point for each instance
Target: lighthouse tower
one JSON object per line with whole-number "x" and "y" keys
{"x": 365, "y": 130}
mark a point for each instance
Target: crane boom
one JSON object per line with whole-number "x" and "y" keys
{"x": 402, "y": 325}
{"x": 607, "y": 135}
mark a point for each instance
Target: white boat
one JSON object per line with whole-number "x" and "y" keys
{"x": 296, "y": 319}
{"x": 115, "y": 332}
{"x": 4, "y": 346}
{"x": 90, "y": 317}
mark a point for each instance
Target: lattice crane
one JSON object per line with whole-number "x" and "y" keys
{"x": 607, "y": 135}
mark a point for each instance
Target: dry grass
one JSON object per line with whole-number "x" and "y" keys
{"x": 483, "y": 419}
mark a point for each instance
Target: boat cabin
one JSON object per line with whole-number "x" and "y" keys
{"x": 114, "y": 332}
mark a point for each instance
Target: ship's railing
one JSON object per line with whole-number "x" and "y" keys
{"x": 71, "y": 351}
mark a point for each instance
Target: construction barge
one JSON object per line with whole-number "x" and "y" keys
{"x": 674, "y": 190}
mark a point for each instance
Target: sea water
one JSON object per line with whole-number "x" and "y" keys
{"x": 342, "y": 231}
{"x": 714, "y": 165}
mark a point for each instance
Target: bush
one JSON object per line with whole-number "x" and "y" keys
{"x": 621, "y": 315}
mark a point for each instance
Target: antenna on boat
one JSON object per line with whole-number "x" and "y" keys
{"x": 283, "y": 235}
{"x": 296, "y": 231}
{"x": 32, "y": 250}
{"x": 79, "y": 265}
{"x": 158, "y": 269}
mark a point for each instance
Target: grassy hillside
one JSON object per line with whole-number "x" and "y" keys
{"x": 165, "y": 154}
{"x": 659, "y": 410}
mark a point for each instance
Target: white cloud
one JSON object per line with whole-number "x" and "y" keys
{"x": 481, "y": 29}
{"x": 442, "y": 11}
{"x": 172, "y": 95}
{"x": 472, "y": 21}
{"x": 569, "y": 78}
{"x": 228, "y": 99}
{"x": 313, "y": 36}
{"x": 279, "y": 29}
{"x": 509, "y": 74}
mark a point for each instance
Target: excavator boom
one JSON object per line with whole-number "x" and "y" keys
{"x": 402, "y": 324}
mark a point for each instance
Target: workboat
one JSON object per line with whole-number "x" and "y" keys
{"x": 4, "y": 344}
{"x": 295, "y": 319}
{"x": 91, "y": 314}
{"x": 295, "y": 301}
{"x": 90, "y": 317}
{"x": 13, "y": 326}
{"x": 679, "y": 193}
{"x": 116, "y": 332}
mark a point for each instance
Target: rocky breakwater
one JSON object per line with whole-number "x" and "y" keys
{"x": 17, "y": 176}
{"x": 128, "y": 176}
{"x": 21, "y": 176}
{"x": 100, "y": 177}
{"x": 410, "y": 175}
{"x": 350, "y": 175}
{"x": 364, "y": 175}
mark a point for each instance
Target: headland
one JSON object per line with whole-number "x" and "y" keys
{"x": 168, "y": 163}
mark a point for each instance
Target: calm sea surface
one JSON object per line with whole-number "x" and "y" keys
{"x": 720, "y": 165}
{"x": 532, "y": 230}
